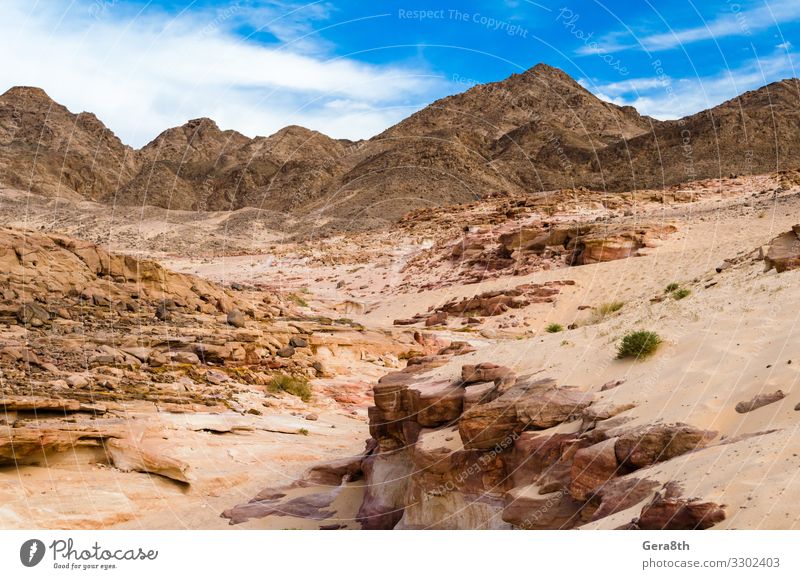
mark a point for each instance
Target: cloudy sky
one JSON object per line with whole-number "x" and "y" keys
{"x": 352, "y": 68}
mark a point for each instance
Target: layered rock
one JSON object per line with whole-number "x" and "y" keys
{"x": 489, "y": 449}
{"x": 783, "y": 253}
{"x": 87, "y": 335}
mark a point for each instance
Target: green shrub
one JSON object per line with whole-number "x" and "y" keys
{"x": 291, "y": 385}
{"x": 671, "y": 287}
{"x": 681, "y": 293}
{"x": 609, "y": 308}
{"x": 554, "y": 328}
{"x": 299, "y": 300}
{"x": 303, "y": 431}
{"x": 638, "y": 344}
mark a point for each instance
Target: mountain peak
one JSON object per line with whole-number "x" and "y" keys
{"x": 543, "y": 68}
{"x": 26, "y": 93}
{"x": 201, "y": 122}
{"x": 546, "y": 72}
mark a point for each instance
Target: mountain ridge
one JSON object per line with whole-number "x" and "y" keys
{"x": 534, "y": 131}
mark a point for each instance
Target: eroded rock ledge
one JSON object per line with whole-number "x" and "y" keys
{"x": 490, "y": 449}
{"x": 496, "y": 450}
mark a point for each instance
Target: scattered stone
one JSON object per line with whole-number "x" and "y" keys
{"x": 236, "y": 318}
{"x": 297, "y": 342}
{"x": 758, "y": 401}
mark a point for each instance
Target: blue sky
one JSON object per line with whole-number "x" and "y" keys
{"x": 352, "y": 68}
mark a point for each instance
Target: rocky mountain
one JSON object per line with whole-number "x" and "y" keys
{"x": 756, "y": 132}
{"x": 46, "y": 149}
{"x": 535, "y": 131}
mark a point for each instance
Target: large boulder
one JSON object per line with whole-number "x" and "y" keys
{"x": 784, "y": 251}
{"x": 592, "y": 467}
{"x": 659, "y": 442}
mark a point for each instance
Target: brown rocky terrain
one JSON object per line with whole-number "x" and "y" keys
{"x": 115, "y": 370}
{"x": 459, "y": 377}
{"x": 536, "y": 131}
{"x": 48, "y": 150}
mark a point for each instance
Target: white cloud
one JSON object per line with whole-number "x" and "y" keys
{"x": 143, "y": 73}
{"x": 669, "y": 98}
{"x": 733, "y": 20}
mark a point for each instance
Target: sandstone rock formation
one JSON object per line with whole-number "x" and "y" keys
{"x": 491, "y": 459}
{"x": 784, "y": 251}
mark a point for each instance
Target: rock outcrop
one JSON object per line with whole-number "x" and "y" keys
{"x": 783, "y": 253}
{"x": 489, "y": 449}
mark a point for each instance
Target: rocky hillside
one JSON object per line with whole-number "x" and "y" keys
{"x": 536, "y": 131}
{"x": 46, "y": 149}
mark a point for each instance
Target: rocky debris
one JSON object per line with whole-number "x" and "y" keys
{"x": 456, "y": 348}
{"x": 592, "y": 467}
{"x": 236, "y": 318}
{"x": 669, "y": 511}
{"x": 496, "y": 302}
{"x": 79, "y": 340}
{"x": 580, "y": 243}
{"x": 758, "y": 401}
{"x": 32, "y": 314}
{"x": 437, "y": 319}
{"x": 659, "y": 442}
{"x": 783, "y": 253}
{"x": 484, "y": 450}
{"x": 487, "y": 372}
{"x": 146, "y": 455}
{"x": 617, "y": 495}
{"x": 297, "y": 342}
{"x": 408, "y": 321}
{"x": 527, "y": 404}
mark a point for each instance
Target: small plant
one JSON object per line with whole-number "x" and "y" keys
{"x": 681, "y": 293}
{"x": 671, "y": 288}
{"x": 291, "y": 385}
{"x": 638, "y": 344}
{"x": 303, "y": 431}
{"x": 554, "y": 328}
{"x": 609, "y": 308}
{"x": 299, "y": 300}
